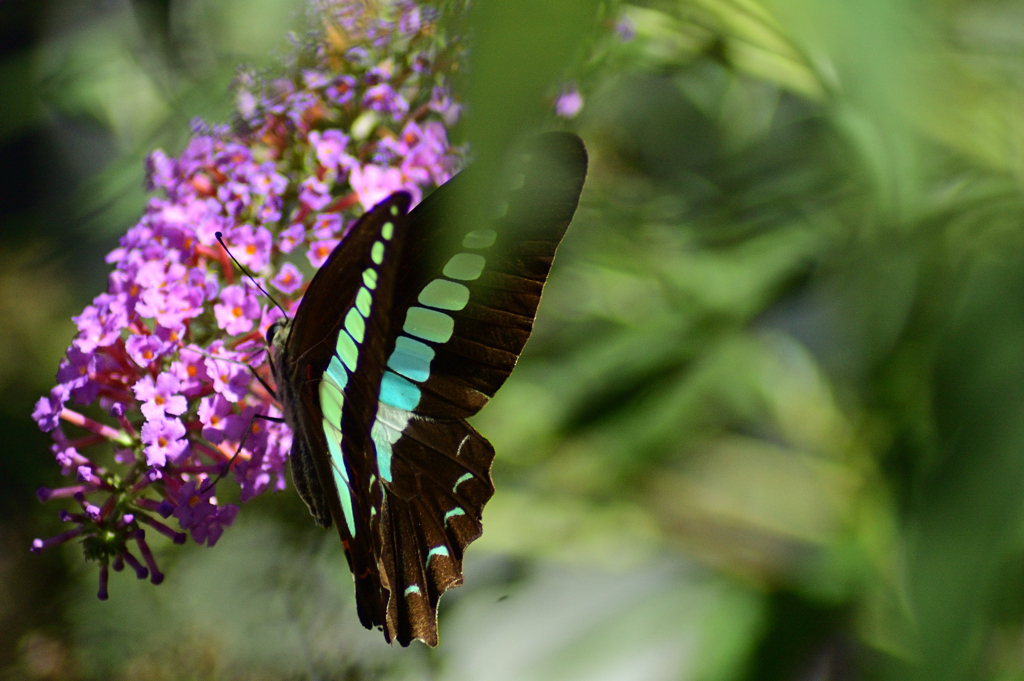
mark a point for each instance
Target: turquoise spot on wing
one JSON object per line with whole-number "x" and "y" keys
{"x": 464, "y": 266}
{"x": 370, "y": 278}
{"x": 363, "y": 301}
{"x": 355, "y": 325}
{"x": 331, "y": 400}
{"x": 398, "y": 392}
{"x": 411, "y": 346}
{"x": 337, "y": 372}
{"x": 436, "y": 551}
{"x": 444, "y": 295}
{"x": 452, "y": 513}
{"x": 387, "y": 231}
{"x": 347, "y": 350}
{"x": 429, "y": 325}
{"x": 411, "y": 359}
{"x": 481, "y": 238}
{"x": 377, "y": 252}
{"x": 379, "y": 435}
{"x": 334, "y": 445}
{"x": 461, "y": 480}
{"x": 346, "y": 503}
{"x": 412, "y": 590}
{"x": 340, "y": 475}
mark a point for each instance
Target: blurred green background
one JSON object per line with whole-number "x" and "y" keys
{"x": 771, "y": 422}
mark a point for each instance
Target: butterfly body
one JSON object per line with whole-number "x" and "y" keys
{"x": 409, "y": 328}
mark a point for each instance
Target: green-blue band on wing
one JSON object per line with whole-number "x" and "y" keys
{"x": 363, "y": 301}
{"x": 444, "y": 295}
{"x": 452, "y": 513}
{"x": 398, "y": 392}
{"x": 355, "y": 325}
{"x": 481, "y": 238}
{"x": 340, "y": 475}
{"x": 436, "y": 551}
{"x": 370, "y": 278}
{"x": 379, "y": 435}
{"x": 464, "y": 266}
{"x": 411, "y": 359}
{"x": 464, "y": 478}
{"x": 337, "y": 372}
{"x": 331, "y": 399}
{"x": 430, "y": 325}
{"x": 347, "y": 350}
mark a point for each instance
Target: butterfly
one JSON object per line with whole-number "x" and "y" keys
{"x": 409, "y": 328}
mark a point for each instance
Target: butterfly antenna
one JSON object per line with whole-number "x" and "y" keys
{"x": 220, "y": 239}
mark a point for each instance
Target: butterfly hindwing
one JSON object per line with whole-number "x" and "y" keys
{"x": 440, "y": 483}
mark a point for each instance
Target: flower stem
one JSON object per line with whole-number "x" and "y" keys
{"x": 112, "y": 434}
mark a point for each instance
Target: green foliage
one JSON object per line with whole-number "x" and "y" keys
{"x": 770, "y": 422}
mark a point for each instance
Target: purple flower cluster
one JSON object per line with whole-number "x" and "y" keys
{"x": 169, "y": 365}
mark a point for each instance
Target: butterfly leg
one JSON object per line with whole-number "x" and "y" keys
{"x": 266, "y": 386}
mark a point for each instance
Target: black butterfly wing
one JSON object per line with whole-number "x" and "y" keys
{"x": 335, "y": 357}
{"x": 463, "y": 309}
{"x": 503, "y": 266}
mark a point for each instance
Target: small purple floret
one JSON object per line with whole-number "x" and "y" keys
{"x": 569, "y": 103}
{"x": 155, "y": 575}
{"x": 39, "y": 545}
{"x": 140, "y": 570}
{"x": 288, "y": 280}
{"x": 104, "y": 576}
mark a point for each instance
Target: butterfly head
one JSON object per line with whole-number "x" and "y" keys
{"x": 277, "y": 340}
{"x": 274, "y": 332}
